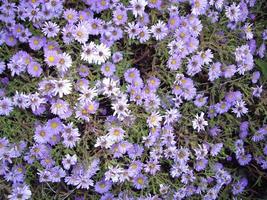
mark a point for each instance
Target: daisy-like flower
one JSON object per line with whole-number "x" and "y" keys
{"x": 64, "y": 62}
{"x": 154, "y": 119}
{"x": 61, "y": 108}
{"x": 34, "y": 69}
{"x": 69, "y": 160}
{"x": 199, "y": 122}
{"x": 159, "y": 30}
{"x": 101, "y": 54}
{"x": 87, "y": 94}
{"x": 143, "y": 34}
{"x": 88, "y": 52}
{"x": 233, "y": 12}
{"x": 138, "y": 7}
{"x": 116, "y": 134}
{"x": 120, "y": 109}
{"x": 51, "y": 58}
{"x": 240, "y": 108}
{"x": 81, "y": 33}
{"x": 140, "y": 181}
{"x": 61, "y": 87}
{"x": 109, "y": 87}
{"x": 50, "y": 29}
{"x": 6, "y": 106}
{"x": 20, "y": 192}
{"x": 108, "y": 69}
{"x": 41, "y": 134}
{"x": 248, "y": 31}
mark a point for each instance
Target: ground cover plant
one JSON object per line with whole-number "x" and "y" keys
{"x": 139, "y": 99}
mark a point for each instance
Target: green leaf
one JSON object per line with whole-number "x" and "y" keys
{"x": 262, "y": 66}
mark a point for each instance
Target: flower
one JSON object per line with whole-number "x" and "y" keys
{"x": 138, "y": 7}
{"x": 21, "y": 192}
{"x": 50, "y": 29}
{"x": 199, "y": 122}
{"x": 239, "y": 108}
{"x": 140, "y": 181}
{"x": 6, "y": 106}
{"x": 159, "y": 30}
{"x": 69, "y": 160}
{"x": 61, "y": 87}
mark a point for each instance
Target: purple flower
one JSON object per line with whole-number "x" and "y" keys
{"x": 6, "y": 106}
{"x": 140, "y": 181}
{"x": 103, "y": 186}
{"x": 34, "y": 69}
{"x": 201, "y": 164}
{"x": 108, "y": 69}
{"x": 36, "y": 42}
{"x": 239, "y": 186}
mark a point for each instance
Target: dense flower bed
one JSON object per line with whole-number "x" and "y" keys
{"x": 139, "y": 99}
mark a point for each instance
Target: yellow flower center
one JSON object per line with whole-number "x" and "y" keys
{"x": 35, "y": 42}
{"x": 54, "y": 125}
{"x": 119, "y": 17}
{"x": 35, "y": 68}
{"x": 91, "y": 107}
{"x": 140, "y": 181}
{"x": 51, "y": 58}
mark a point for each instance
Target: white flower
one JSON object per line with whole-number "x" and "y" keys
{"x": 113, "y": 174}
{"x": 154, "y": 119}
{"x": 138, "y": 7}
{"x": 62, "y": 87}
{"x": 88, "y": 94}
{"x": 120, "y": 109}
{"x": 64, "y": 62}
{"x": 101, "y": 54}
{"x": 248, "y": 31}
{"x": 171, "y": 116}
{"x": 88, "y": 51}
{"x": 199, "y": 122}
{"x": 69, "y": 160}
{"x": 109, "y": 87}
{"x": 81, "y": 33}
{"x": 240, "y": 108}
{"x": 104, "y": 142}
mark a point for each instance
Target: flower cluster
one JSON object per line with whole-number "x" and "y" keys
{"x": 139, "y": 99}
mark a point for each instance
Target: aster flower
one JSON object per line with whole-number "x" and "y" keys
{"x": 34, "y": 69}
{"x": 88, "y": 52}
{"x": 154, "y": 119}
{"x": 239, "y": 108}
{"x": 101, "y": 54}
{"x": 64, "y": 62}
{"x": 6, "y": 106}
{"x": 140, "y": 181}
{"x": 233, "y": 12}
{"x": 110, "y": 87}
{"x": 51, "y": 58}
{"x": 21, "y": 192}
{"x": 199, "y": 122}
{"x": 81, "y": 33}
{"x": 69, "y": 160}
{"x": 103, "y": 186}
{"x": 239, "y": 186}
{"x": 257, "y": 91}
{"x": 36, "y": 42}
{"x": 138, "y": 7}
{"x": 61, "y": 87}
{"x": 41, "y": 135}
{"x": 159, "y": 30}
{"x": 21, "y": 100}
{"x": 71, "y": 15}
{"x": 50, "y": 29}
